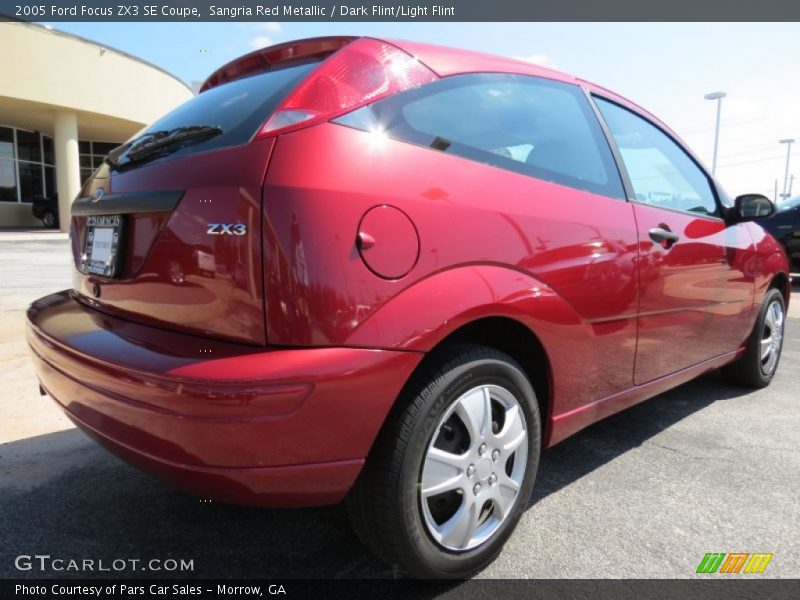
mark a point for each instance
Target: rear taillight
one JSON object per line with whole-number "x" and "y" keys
{"x": 362, "y": 72}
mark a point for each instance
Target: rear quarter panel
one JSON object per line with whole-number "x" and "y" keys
{"x": 492, "y": 243}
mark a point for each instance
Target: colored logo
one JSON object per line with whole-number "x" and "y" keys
{"x": 734, "y": 562}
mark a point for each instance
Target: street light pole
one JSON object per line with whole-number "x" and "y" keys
{"x": 788, "y": 142}
{"x": 718, "y": 96}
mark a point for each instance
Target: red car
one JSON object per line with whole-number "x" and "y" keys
{"x": 404, "y": 270}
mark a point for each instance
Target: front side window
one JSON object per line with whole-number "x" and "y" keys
{"x": 537, "y": 127}
{"x": 661, "y": 172}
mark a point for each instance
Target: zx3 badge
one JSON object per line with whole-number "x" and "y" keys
{"x": 227, "y": 229}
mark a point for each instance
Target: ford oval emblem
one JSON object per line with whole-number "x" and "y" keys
{"x": 98, "y": 194}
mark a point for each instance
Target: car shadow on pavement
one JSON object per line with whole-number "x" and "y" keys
{"x": 62, "y": 495}
{"x": 604, "y": 441}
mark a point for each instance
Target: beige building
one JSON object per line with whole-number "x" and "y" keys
{"x": 64, "y": 102}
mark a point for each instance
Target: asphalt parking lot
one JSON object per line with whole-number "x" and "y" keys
{"x": 707, "y": 467}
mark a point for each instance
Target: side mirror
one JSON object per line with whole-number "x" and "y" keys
{"x": 751, "y": 207}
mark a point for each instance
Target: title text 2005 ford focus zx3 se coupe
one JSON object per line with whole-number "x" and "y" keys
{"x": 391, "y": 273}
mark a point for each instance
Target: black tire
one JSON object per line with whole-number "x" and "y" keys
{"x": 49, "y": 219}
{"x": 385, "y": 506}
{"x": 749, "y": 370}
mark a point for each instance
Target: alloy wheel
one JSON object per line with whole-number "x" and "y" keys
{"x": 772, "y": 337}
{"x": 474, "y": 467}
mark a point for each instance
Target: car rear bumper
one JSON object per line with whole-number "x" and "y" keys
{"x": 232, "y": 422}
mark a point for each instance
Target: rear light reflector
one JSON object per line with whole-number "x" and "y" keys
{"x": 362, "y": 72}
{"x": 283, "y": 119}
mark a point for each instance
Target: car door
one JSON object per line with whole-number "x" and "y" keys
{"x": 783, "y": 223}
{"x": 695, "y": 294}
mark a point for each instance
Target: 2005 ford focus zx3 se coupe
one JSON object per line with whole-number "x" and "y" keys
{"x": 391, "y": 273}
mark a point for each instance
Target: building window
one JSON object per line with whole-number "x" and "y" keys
{"x": 27, "y": 163}
{"x": 27, "y": 168}
{"x": 8, "y": 166}
{"x": 92, "y": 154}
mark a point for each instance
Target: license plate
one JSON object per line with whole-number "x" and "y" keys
{"x": 101, "y": 251}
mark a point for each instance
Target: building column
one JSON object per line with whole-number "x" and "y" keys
{"x": 68, "y": 169}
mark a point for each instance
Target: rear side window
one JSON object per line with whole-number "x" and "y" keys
{"x": 533, "y": 126}
{"x": 238, "y": 108}
{"x": 661, "y": 172}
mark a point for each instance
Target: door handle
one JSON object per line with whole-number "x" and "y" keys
{"x": 662, "y": 235}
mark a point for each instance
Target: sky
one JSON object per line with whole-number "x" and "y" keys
{"x": 665, "y": 67}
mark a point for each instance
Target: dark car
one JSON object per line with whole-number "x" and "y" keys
{"x": 784, "y": 225}
{"x": 391, "y": 273}
{"x": 46, "y": 209}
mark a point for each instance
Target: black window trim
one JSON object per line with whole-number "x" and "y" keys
{"x": 626, "y": 180}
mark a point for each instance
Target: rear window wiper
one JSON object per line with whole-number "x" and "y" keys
{"x": 157, "y": 143}
{"x": 113, "y": 157}
{"x": 175, "y": 137}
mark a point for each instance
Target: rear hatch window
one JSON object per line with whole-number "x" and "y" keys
{"x": 226, "y": 115}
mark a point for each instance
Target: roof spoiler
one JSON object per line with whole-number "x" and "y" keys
{"x": 278, "y": 56}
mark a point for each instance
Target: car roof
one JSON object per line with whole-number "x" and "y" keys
{"x": 445, "y": 61}
{"x": 442, "y": 60}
